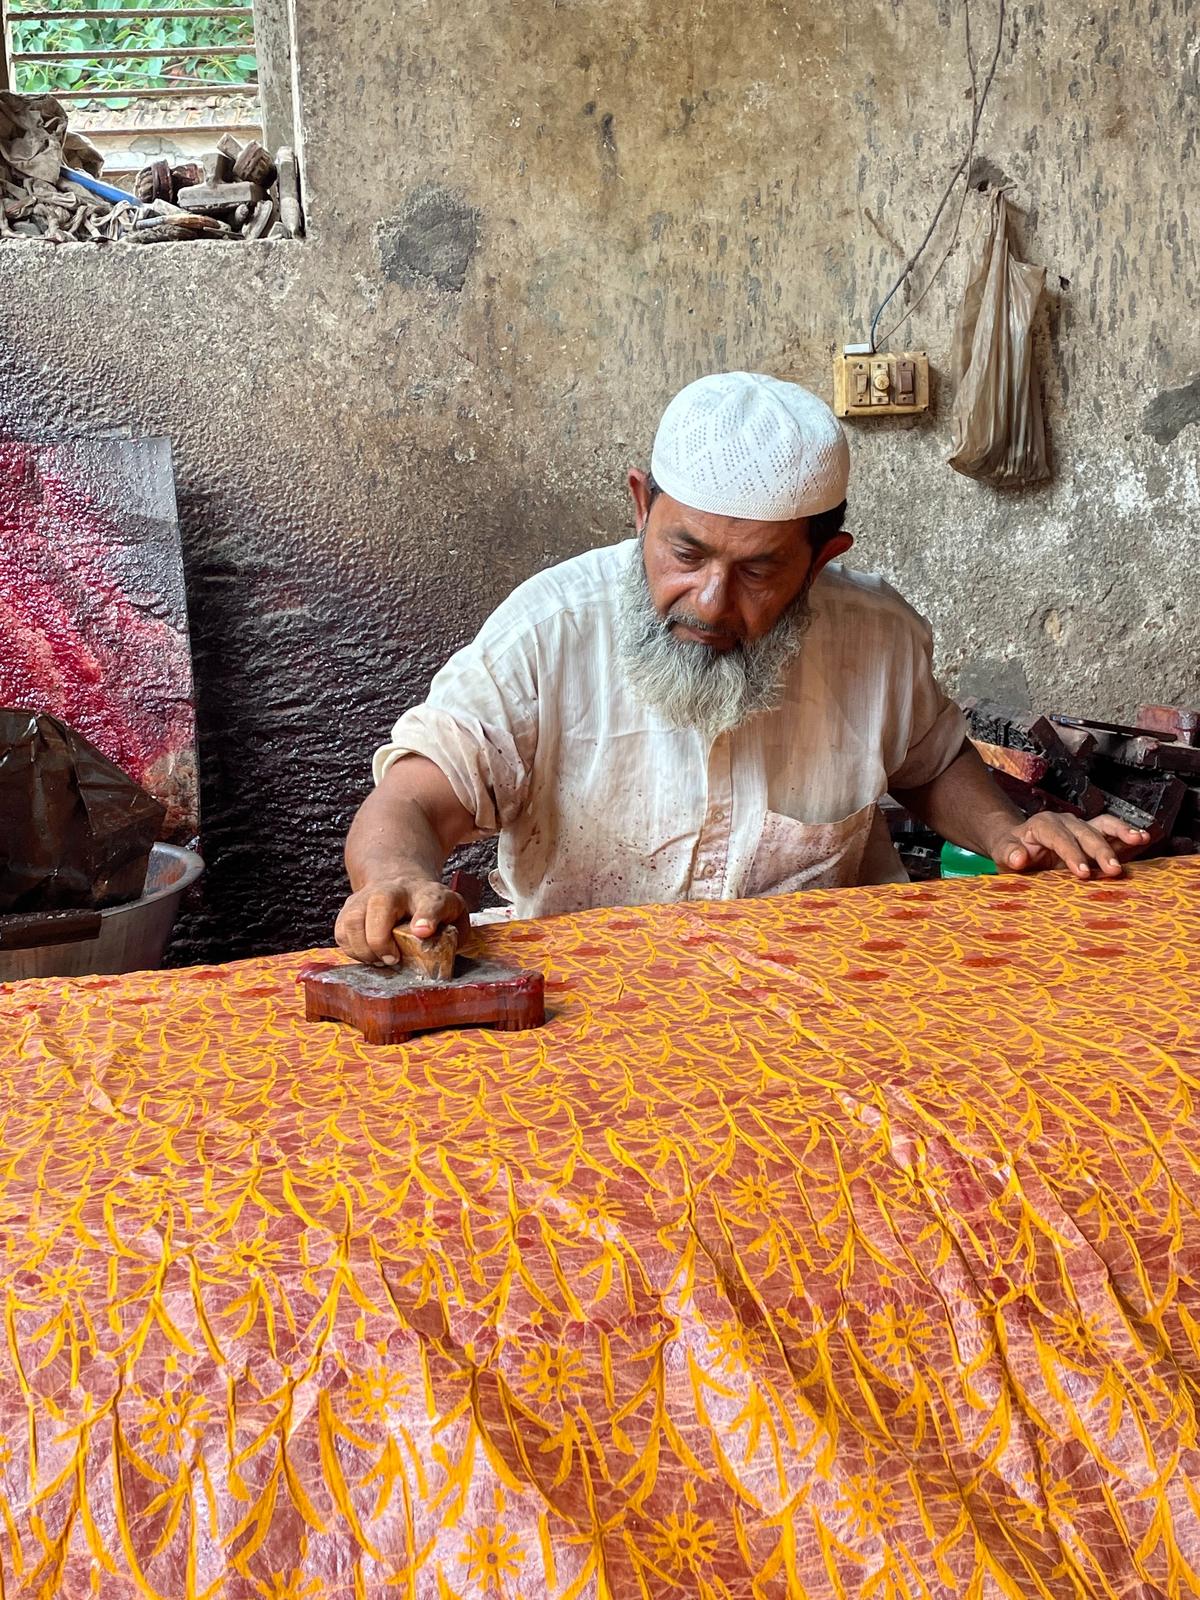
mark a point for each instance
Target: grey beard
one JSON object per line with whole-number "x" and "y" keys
{"x": 691, "y": 685}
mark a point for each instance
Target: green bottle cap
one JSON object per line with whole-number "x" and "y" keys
{"x": 959, "y": 863}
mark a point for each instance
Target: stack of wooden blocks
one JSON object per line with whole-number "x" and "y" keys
{"x": 245, "y": 194}
{"x": 1146, "y": 772}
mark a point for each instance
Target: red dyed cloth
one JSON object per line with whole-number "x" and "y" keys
{"x": 93, "y": 613}
{"x": 838, "y": 1245}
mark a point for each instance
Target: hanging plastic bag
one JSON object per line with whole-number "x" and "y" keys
{"x": 74, "y": 830}
{"x": 999, "y": 436}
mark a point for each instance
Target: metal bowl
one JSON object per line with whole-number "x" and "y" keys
{"x": 131, "y": 938}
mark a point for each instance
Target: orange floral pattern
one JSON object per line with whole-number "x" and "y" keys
{"x": 843, "y": 1246}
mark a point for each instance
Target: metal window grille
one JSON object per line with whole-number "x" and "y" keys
{"x": 127, "y": 52}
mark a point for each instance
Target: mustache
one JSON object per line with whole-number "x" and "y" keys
{"x": 677, "y": 618}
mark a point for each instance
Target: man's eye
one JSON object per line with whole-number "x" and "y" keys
{"x": 687, "y": 558}
{"x": 756, "y": 574}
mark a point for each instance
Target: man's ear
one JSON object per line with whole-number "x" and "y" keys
{"x": 830, "y": 551}
{"x": 639, "y": 488}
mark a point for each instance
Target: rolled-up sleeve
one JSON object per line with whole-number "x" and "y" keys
{"x": 479, "y": 726}
{"x": 936, "y": 726}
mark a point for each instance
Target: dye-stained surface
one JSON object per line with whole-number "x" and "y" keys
{"x": 93, "y": 613}
{"x": 838, "y": 1245}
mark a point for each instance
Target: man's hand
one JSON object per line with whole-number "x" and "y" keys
{"x": 1050, "y": 838}
{"x": 395, "y": 855}
{"x": 964, "y": 805}
{"x": 364, "y": 926}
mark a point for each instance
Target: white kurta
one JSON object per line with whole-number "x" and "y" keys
{"x": 599, "y": 801}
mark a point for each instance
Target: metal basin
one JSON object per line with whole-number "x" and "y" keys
{"x": 131, "y": 938}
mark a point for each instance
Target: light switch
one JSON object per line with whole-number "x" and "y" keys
{"x": 885, "y": 383}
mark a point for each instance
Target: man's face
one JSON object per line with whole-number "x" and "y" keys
{"x": 722, "y": 581}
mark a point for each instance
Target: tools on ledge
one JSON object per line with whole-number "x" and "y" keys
{"x": 242, "y": 193}
{"x": 51, "y": 187}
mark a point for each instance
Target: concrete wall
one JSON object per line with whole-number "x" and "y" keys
{"x": 530, "y": 223}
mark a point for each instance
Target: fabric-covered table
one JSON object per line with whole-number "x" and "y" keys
{"x": 839, "y": 1245}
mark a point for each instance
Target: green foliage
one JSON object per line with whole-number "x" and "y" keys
{"x": 126, "y": 30}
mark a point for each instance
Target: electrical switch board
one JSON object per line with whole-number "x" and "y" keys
{"x": 881, "y": 383}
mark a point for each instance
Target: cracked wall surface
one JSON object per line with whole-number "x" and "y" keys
{"x": 529, "y": 225}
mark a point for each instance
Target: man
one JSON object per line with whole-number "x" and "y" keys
{"x": 714, "y": 709}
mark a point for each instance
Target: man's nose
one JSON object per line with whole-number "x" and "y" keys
{"x": 712, "y": 598}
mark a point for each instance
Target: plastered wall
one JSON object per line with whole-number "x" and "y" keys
{"x": 529, "y": 224}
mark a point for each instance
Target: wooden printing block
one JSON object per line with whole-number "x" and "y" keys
{"x": 1184, "y": 725}
{"x": 1081, "y": 742}
{"x": 1063, "y": 788}
{"x": 1144, "y": 800}
{"x": 1014, "y": 730}
{"x": 1159, "y": 755}
{"x": 154, "y": 182}
{"x": 1031, "y": 799}
{"x": 1021, "y": 764}
{"x": 1164, "y": 750}
{"x": 260, "y": 220}
{"x": 387, "y": 1006}
{"x": 433, "y": 958}
{"x": 254, "y": 165}
{"x": 1073, "y": 784}
{"x": 185, "y": 176}
{"x": 220, "y": 196}
{"x": 228, "y": 150}
{"x": 290, "y": 215}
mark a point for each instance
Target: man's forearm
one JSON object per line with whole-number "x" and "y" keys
{"x": 392, "y": 837}
{"x": 964, "y": 805}
{"x": 407, "y": 826}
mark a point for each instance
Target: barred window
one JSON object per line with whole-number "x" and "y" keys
{"x": 140, "y": 80}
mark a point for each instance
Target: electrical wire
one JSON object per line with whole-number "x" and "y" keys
{"x": 978, "y": 101}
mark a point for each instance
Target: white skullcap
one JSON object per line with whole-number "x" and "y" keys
{"x": 741, "y": 444}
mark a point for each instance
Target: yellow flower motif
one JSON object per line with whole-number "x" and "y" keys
{"x": 371, "y": 1395}
{"x": 594, "y": 1215}
{"x": 916, "y": 1183}
{"x": 171, "y": 1419}
{"x": 736, "y": 1347}
{"x": 247, "y": 1258}
{"x": 870, "y": 1504}
{"x": 684, "y": 1542}
{"x": 1077, "y": 1337}
{"x": 756, "y": 1195}
{"x": 552, "y": 1372}
{"x": 492, "y": 1554}
{"x": 322, "y": 1172}
{"x": 414, "y": 1233}
{"x": 290, "y": 1586}
{"x": 900, "y": 1338}
{"x": 1074, "y": 1163}
{"x": 58, "y": 1283}
{"x": 151, "y": 1194}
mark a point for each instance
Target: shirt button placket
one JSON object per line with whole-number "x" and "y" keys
{"x": 712, "y": 847}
